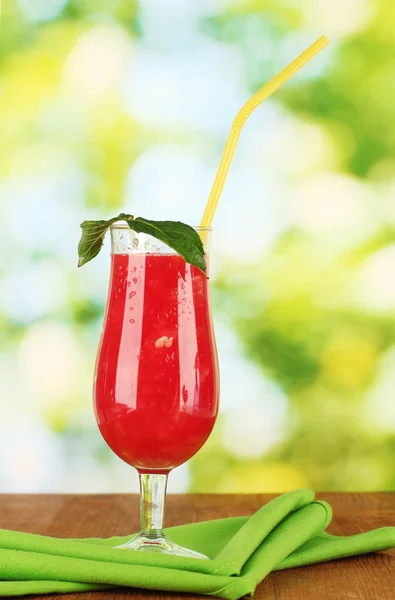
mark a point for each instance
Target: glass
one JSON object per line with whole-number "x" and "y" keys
{"x": 156, "y": 381}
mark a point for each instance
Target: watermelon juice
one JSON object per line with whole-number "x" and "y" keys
{"x": 156, "y": 381}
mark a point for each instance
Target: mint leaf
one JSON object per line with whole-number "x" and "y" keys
{"x": 92, "y": 239}
{"x": 180, "y": 237}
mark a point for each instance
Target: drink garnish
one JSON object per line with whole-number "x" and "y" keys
{"x": 180, "y": 237}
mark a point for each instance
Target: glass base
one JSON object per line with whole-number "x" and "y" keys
{"x": 159, "y": 544}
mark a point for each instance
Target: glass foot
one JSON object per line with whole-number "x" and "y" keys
{"x": 158, "y": 544}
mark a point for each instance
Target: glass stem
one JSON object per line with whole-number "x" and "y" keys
{"x": 152, "y": 503}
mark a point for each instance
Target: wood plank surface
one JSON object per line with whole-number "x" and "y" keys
{"x": 369, "y": 577}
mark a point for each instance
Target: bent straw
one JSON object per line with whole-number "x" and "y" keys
{"x": 242, "y": 117}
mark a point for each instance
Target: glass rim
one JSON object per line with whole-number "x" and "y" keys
{"x": 120, "y": 225}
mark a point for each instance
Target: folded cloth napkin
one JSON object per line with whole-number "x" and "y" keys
{"x": 285, "y": 533}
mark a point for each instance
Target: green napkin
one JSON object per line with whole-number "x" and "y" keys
{"x": 287, "y": 532}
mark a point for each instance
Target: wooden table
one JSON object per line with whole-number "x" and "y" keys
{"x": 369, "y": 577}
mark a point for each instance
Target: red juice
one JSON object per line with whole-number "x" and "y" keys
{"x": 156, "y": 381}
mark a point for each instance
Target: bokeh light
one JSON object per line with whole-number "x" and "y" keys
{"x": 111, "y": 105}
{"x": 41, "y": 10}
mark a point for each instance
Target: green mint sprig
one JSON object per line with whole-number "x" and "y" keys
{"x": 179, "y": 236}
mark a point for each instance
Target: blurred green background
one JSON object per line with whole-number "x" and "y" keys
{"x": 109, "y": 105}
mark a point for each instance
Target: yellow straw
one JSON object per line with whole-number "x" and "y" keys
{"x": 242, "y": 117}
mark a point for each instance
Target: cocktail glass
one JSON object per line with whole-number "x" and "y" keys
{"x": 156, "y": 381}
